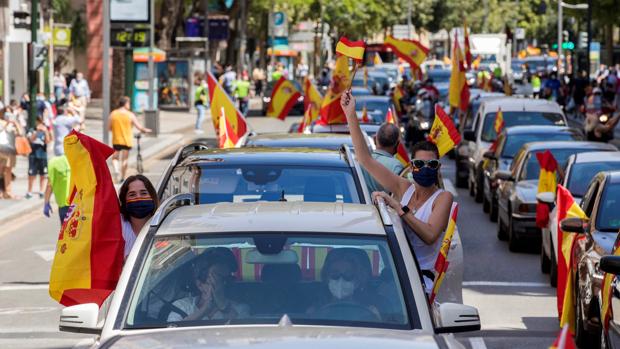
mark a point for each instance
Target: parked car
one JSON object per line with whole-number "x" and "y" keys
{"x": 359, "y": 91}
{"x": 516, "y": 112}
{"x": 275, "y": 261}
{"x": 517, "y": 189}
{"x": 600, "y": 203}
{"x": 580, "y": 170}
{"x": 298, "y": 107}
{"x": 508, "y": 143}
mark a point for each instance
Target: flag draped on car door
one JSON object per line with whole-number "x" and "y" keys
{"x": 547, "y": 182}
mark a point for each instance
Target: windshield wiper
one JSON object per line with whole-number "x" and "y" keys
{"x": 282, "y": 198}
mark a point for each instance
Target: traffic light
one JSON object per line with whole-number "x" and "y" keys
{"x": 565, "y": 36}
{"x": 38, "y": 54}
{"x": 583, "y": 40}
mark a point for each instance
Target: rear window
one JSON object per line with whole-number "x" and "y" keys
{"x": 581, "y": 175}
{"x": 532, "y": 168}
{"x": 518, "y": 118}
{"x": 608, "y": 218}
{"x": 514, "y": 142}
{"x": 375, "y": 109}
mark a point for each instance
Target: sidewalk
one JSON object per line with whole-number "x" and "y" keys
{"x": 173, "y": 127}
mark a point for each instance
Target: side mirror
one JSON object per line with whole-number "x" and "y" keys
{"x": 610, "y": 264}
{"x": 572, "y": 225}
{"x": 504, "y": 175}
{"x": 469, "y": 135}
{"x": 546, "y": 197}
{"x": 81, "y": 318}
{"x": 489, "y": 155}
{"x": 455, "y": 317}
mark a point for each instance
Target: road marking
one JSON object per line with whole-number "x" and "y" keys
{"x": 47, "y": 255}
{"x": 447, "y": 183}
{"x": 24, "y": 287}
{"x": 505, "y": 284}
{"x": 477, "y": 343}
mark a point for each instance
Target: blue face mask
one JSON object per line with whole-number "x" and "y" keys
{"x": 140, "y": 208}
{"x": 425, "y": 176}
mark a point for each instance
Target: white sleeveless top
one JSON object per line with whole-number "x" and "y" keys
{"x": 425, "y": 253}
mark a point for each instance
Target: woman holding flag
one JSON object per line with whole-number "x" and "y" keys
{"x": 138, "y": 202}
{"x": 423, "y": 207}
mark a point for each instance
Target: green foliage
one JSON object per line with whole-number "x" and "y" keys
{"x": 65, "y": 13}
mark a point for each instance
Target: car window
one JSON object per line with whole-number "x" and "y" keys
{"x": 375, "y": 109}
{"x": 274, "y": 183}
{"x": 607, "y": 217}
{"x": 516, "y": 141}
{"x": 517, "y": 118}
{"x": 581, "y": 175}
{"x": 532, "y": 168}
{"x": 256, "y": 278}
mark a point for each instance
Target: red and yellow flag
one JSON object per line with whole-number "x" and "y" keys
{"x": 331, "y": 111}
{"x": 411, "y": 51}
{"x": 566, "y": 207}
{"x": 365, "y": 117}
{"x": 402, "y": 155}
{"x": 238, "y": 126}
{"x": 443, "y": 132}
{"x": 283, "y": 98}
{"x": 606, "y": 310}
{"x": 498, "y": 125}
{"x": 476, "y": 62}
{"x": 468, "y": 57}
{"x": 305, "y": 121}
{"x": 351, "y": 49}
{"x": 312, "y": 98}
{"x": 564, "y": 340}
{"x": 441, "y": 264}
{"x": 226, "y": 135}
{"x": 397, "y": 95}
{"x": 389, "y": 117}
{"x": 547, "y": 182}
{"x": 89, "y": 251}
{"x": 459, "y": 91}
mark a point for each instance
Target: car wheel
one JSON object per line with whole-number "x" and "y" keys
{"x": 545, "y": 262}
{"x": 479, "y": 184}
{"x": 553, "y": 269}
{"x": 514, "y": 245}
{"x": 583, "y": 338}
{"x": 501, "y": 232}
{"x": 486, "y": 205}
{"x": 493, "y": 213}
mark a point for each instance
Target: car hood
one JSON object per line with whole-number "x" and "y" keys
{"x": 526, "y": 190}
{"x": 259, "y": 337}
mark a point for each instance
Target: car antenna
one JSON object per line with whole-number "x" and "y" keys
{"x": 282, "y": 198}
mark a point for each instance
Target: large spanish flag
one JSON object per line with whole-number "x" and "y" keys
{"x": 312, "y": 98}
{"x": 89, "y": 251}
{"x": 219, "y": 99}
{"x": 606, "y": 310}
{"x": 564, "y": 340}
{"x": 547, "y": 182}
{"x": 468, "y": 56}
{"x": 459, "y": 91}
{"x": 331, "y": 111}
{"x": 441, "y": 264}
{"x": 411, "y": 51}
{"x": 351, "y": 49}
{"x": 566, "y": 207}
{"x": 283, "y": 98}
{"x": 443, "y": 132}
{"x": 397, "y": 95}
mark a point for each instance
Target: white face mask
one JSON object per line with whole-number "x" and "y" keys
{"x": 341, "y": 288}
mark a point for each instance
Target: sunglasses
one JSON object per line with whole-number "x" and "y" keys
{"x": 345, "y": 276}
{"x": 432, "y": 164}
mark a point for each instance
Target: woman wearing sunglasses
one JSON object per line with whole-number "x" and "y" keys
{"x": 423, "y": 207}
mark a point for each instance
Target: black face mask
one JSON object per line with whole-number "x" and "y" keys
{"x": 140, "y": 208}
{"x": 425, "y": 176}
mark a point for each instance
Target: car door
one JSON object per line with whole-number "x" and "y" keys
{"x": 505, "y": 188}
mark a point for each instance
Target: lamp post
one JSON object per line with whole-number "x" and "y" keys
{"x": 562, "y": 5}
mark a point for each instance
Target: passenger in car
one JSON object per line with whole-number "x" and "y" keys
{"x": 138, "y": 202}
{"x": 213, "y": 270}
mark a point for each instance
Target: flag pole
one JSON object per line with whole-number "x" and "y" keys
{"x": 353, "y": 75}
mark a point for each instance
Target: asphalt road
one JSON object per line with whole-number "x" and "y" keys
{"x": 516, "y": 305}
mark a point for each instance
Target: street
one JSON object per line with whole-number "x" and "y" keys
{"x": 515, "y": 301}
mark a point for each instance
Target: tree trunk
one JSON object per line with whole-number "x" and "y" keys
{"x": 263, "y": 43}
{"x": 117, "y": 85}
{"x": 172, "y": 10}
{"x": 609, "y": 44}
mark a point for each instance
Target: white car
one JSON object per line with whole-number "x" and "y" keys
{"x": 283, "y": 273}
{"x": 516, "y": 112}
{"x": 580, "y": 170}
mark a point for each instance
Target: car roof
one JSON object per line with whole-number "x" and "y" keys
{"x": 596, "y": 156}
{"x": 311, "y": 140}
{"x": 311, "y": 217}
{"x": 372, "y": 98}
{"x": 520, "y": 104}
{"x": 539, "y": 129}
{"x": 535, "y": 146}
{"x": 267, "y": 156}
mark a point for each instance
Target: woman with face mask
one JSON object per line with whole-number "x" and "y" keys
{"x": 138, "y": 200}
{"x": 423, "y": 207}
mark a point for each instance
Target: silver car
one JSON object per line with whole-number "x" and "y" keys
{"x": 325, "y": 274}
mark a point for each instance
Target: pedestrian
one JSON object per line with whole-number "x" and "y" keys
{"x": 423, "y": 207}
{"x": 138, "y": 202}
{"x": 9, "y": 129}
{"x": 79, "y": 93}
{"x": 39, "y": 138}
{"x": 258, "y": 75}
{"x": 536, "y": 85}
{"x": 59, "y": 178}
{"x": 302, "y": 70}
{"x": 386, "y": 140}
{"x": 122, "y": 120}
{"x": 61, "y": 127}
{"x": 201, "y": 102}
{"x": 579, "y": 90}
{"x": 241, "y": 91}
{"x": 228, "y": 78}
{"x": 60, "y": 85}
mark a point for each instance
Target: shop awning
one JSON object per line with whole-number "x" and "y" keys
{"x": 142, "y": 55}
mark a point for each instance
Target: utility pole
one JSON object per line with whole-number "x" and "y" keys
{"x": 559, "y": 36}
{"x": 151, "y": 63}
{"x": 271, "y": 25}
{"x": 51, "y": 54}
{"x": 106, "y": 70}
{"x": 242, "y": 38}
{"x": 589, "y": 36}
{"x": 32, "y": 73}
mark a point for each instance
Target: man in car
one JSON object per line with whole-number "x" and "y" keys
{"x": 213, "y": 270}
{"x": 386, "y": 139}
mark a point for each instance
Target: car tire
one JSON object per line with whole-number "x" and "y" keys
{"x": 514, "y": 245}
{"x": 501, "y": 232}
{"x": 479, "y": 184}
{"x": 553, "y": 270}
{"x": 486, "y": 205}
{"x": 545, "y": 262}
{"x": 493, "y": 211}
{"x": 583, "y": 338}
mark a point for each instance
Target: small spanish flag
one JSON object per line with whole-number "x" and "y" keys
{"x": 283, "y": 98}
{"x": 396, "y": 97}
{"x": 306, "y": 120}
{"x": 458, "y": 93}
{"x": 498, "y": 125}
{"x": 402, "y": 155}
{"x": 443, "y": 132}
{"x": 441, "y": 264}
{"x": 413, "y": 52}
{"x": 468, "y": 56}
{"x": 365, "y": 117}
{"x": 547, "y": 182}
{"x": 564, "y": 340}
{"x": 606, "y": 311}
{"x": 389, "y": 117}
{"x": 219, "y": 99}
{"x": 312, "y": 98}
{"x": 351, "y": 49}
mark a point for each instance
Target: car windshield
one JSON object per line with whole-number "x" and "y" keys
{"x": 518, "y": 118}
{"x": 257, "y": 278}
{"x": 582, "y": 173}
{"x": 532, "y": 168}
{"x": 516, "y": 141}
{"x": 274, "y": 183}
{"x": 540, "y": 64}
{"x": 439, "y": 76}
{"x": 608, "y": 218}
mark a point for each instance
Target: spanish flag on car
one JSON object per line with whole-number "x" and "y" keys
{"x": 397, "y": 95}
{"x": 305, "y": 121}
{"x": 547, "y": 182}
{"x": 283, "y": 98}
{"x": 351, "y": 49}
{"x": 441, "y": 264}
{"x": 389, "y": 117}
{"x": 606, "y": 311}
{"x": 89, "y": 251}
{"x": 237, "y": 126}
{"x": 458, "y": 94}
{"x": 443, "y": 132}
{"x": 331, "y": 111}
{"x": 564, "y": 340}
{"x": 468, "y": 56}
{"x": 411, "y": 51}
{"x": 498, "y": 125}
{"x": 227, "y": 138}
{"x": 566, "y": 207}
{"x": 312, "y": 98}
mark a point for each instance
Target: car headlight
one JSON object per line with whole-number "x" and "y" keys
{"x": 266, "y": 99}
{"x": 424, "y": 125}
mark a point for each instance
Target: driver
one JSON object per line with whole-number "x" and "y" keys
{"x": 213, "y": 270}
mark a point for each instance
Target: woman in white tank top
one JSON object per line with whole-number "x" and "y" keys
{"x": 422, "y": 205}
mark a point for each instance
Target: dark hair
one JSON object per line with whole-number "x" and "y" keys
{"x": 425, "y": 146}
{"x": 216, "y": 255}
{"x": 388, "y": 135}
{"x": 354, "y": 256}
{"x": 122, "y": 193}
{"x": 122, "y": 101}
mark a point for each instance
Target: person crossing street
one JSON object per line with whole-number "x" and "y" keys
{"x": 241, "y": 91}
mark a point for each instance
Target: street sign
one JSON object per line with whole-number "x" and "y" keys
{"x": 278, "y": 24}
{"x": 61, "y": 36}
{"x": 134, "y": 11}
{"x": 520, "y": 33}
